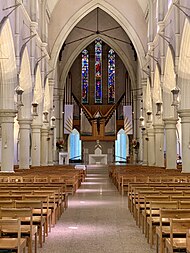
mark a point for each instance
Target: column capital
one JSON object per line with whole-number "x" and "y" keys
{"x": 36, "y": 126}
{"x": 7, "y": 115}
{"x": 44, "y": 130}
{"x": 184, "y": 115}
{"x": 170, "y": 123}
{"x": 158, "y": 128}
{"x": 25, "y": 123}
{"x": 150, "y": 131}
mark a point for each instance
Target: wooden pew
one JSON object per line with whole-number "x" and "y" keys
{"x": 164, "y": 221}
{"x": 15, "y": 243}
{"x": 38, "y": 218}
{"x": 25, "y": 215}
{"x": 178, "y": 227}
{"x": 154, "y": 219}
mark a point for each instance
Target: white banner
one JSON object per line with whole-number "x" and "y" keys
{"x": 127, "y": 115}
{"x": 68, "y": 119}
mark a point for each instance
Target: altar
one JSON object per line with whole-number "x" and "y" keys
{"x": 63, "y": 158}
{"x": 98, "y": 157}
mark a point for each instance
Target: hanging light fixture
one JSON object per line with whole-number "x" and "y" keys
{"x": 141, "y": 121}
{"x": 158, "y": 108}
{"x": 45, "y": 120}
{"x": 175, "y": 93}
{"x": 35, "y": 108}
{"x": 19, "y": 91}
{"x": 53, "y": 121}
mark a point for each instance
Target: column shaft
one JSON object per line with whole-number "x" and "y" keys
{"x": 44, "y": 146}
{"x": 24, "y": 154}
{"x": 171, "y": 143}
{"x": 7, "y": 150}
{"x": 151, "y": 145}
{"x": 159, "y": 145}
{"x": 50, "y": 147}
{"x": 36, "y": 129}
{"x": 145, "y": 147}
{"x": 185, "y": 127}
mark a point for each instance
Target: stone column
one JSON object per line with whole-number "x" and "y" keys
{"x": 171, "y": 143}
{"x": 151, "y": 145}
{"x": 50, "y": 147}
{"x": 7, "y": 151}
{"x": 145, "y": 147}
{"x": 159, "y": 145}
{"x": 185, "y": 128}
{"x": 61, "y": 117}
{"x": 24, "y": 155}
{"x": 36, "y": 131}
{"x": 44, "y": 146}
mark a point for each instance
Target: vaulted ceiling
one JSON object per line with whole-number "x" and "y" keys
{"x": 51, "y": 4}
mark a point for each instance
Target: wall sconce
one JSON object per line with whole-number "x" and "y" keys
{"x": 158, "y": 108}
{"x": 19, "y": 91}
{"x": 45, "y": 113}
{"x": 175, "y": 93}
{"x": 149, "y": 113}
{"x": 53, "y": 121}
{"x": 35, "y": 109}
{"x": 141, "y": 121}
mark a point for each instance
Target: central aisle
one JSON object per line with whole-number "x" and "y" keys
{"x": 96, "y": 221}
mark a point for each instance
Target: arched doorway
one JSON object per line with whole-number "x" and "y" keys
{"x": 74, "y": 146}
{"x": 121, "y": 147}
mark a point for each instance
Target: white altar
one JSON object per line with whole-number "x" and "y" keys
{"x": 98, "y": 157}
{"x": 63, "y": 158}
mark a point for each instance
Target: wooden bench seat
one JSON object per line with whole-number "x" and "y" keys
{"x": 25, "y": 216}
{"x": 17, "y": 243}
{"x": 179, "y": 228}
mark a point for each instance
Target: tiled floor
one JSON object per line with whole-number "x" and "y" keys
{"x": 96, "y": 221}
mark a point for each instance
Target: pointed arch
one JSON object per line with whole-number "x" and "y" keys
{"x": 168, "y": 84}
{"x": 120, "y": 51}
{"x": 148, "y": 97}
{"x": 25, "y": 82}
{"x": 157, "y": 95}
{"x": 38, "y": 94}
{"x": 184, "y": 66}
{"x": 8, "y": 68}
{"x": 121, "y": 146}
{"x": 46, "y": 96}
{"x": 75, "y": 146}
{"x": 123, "y": 19}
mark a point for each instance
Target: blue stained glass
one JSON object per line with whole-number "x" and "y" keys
{"x": 111, "y": 76}
{"x": 98, "y": 71}
{"x": 84, "y": 77}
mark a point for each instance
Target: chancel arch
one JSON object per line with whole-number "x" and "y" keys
{"x": 71, "y": 48}
{"x": 62, "y": 31}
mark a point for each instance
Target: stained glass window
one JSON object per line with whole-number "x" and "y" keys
{"x": 85, "y": 72}
{"x": 98, "y": 71}
{"x": 111, "y": 76}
